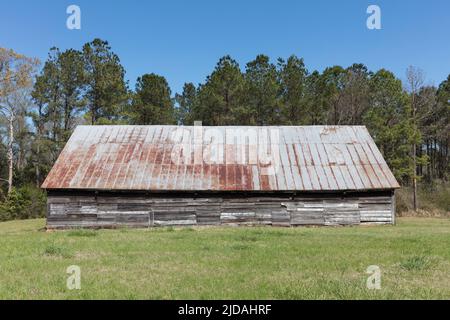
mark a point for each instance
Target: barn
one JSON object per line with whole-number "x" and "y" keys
{"x": 148, "y": 176}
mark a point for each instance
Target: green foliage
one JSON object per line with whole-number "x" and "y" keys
{"x": 316, "y": 102}
{"x": 3, "y": 168}
{"x": 293, "y": 88}
{"x": 261, "y": 94}
{"x": 355, "y": 98}
{"x": 152, "y": 102}
{"x": 389, "y": 122}
{"x": 23, "y": 203}
{"x": 416, "y": 263}
{"x": 106, "y": 90}
{"x": 186, "y": 102}
{"x": 220, "y": 98}
{"x": 82, "y": 233}
{"x": 58, "y": 93}
{"x": 331, "y": 92}
{"x": 55, "y": 250}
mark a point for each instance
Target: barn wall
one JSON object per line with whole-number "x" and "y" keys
{"x": 109, "y": 210}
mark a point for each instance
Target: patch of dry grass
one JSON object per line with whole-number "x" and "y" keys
{"x": 433, "y": 200}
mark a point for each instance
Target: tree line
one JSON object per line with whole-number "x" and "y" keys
{"x": 409, "y": 120}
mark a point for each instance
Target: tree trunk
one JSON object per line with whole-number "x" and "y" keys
{"x": 414, "y": 177}
{"x": 414, "y": 154}
{"x": 38, "y": 158}
{"x": 10, "y": 153}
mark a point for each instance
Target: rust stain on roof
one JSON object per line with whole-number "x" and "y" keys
{"x": 158, "y": 158}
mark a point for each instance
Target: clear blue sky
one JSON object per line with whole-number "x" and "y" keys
{"x": 182, "y": 40}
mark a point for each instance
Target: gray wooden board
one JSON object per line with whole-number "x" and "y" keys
{"x": 107, "y": 211}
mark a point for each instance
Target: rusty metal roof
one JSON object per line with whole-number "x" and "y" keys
{"x": 195, "y": 158}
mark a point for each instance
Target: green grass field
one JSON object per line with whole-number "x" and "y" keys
{"x": 227, "y": 263}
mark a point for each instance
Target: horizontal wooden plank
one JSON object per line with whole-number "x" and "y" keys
{"x": 266, "y": 210}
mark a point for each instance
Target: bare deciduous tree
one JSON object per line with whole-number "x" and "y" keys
{"x": 16, "y": 76}
{"x": 415, "y": 79}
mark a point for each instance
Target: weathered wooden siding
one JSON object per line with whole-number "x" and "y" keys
{"x": 110, "y": 210}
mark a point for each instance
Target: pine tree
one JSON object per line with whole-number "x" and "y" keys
{"x": 151, "y": 103}
{"x": 262, "y": 91}
{"x": 220, "y": 98}
{"x": 389, "y": 122}
{"x": 185, "y": 113}
{"x": 106, "y": 90}
{"x": 293, "y": 84}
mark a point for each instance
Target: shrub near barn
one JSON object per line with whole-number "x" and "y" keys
{"x": 25, "y": 202}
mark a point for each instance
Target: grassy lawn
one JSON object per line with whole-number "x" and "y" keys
{"x": 227, "y": 263}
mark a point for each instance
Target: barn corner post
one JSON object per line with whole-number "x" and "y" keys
{"x": 47, "y": 213}
{"x": 394, "y": 205}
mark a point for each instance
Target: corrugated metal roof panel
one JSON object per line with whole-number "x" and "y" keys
{"x": 302, "y": 158}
